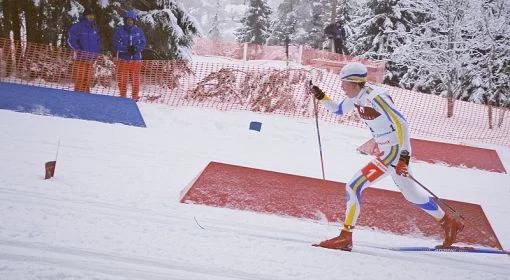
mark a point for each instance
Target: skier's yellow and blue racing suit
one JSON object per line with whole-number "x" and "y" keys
{"x": 390, "y": 131}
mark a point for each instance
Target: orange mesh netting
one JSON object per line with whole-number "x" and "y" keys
{"x": 265, "y": 85}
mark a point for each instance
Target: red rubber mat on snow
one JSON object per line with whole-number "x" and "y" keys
{"x": 236, "y": 187}
{"x": 451, "y": 154}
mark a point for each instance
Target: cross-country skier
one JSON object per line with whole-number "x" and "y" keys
{"x": 390, "y": 131}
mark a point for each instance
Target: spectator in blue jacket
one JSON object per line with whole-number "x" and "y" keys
{"x": 129, "y": 42}
{"x": 84, "y": 40}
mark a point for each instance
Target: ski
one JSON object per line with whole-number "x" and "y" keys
{"x": 362, "y": 247}
{"x": 451, "y": 249}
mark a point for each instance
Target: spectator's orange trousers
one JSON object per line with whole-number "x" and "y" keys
{"x": 125, "y": 70}
{"x": 82, "y": 74}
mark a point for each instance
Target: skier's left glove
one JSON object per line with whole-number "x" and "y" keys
{"x": 403, "y": 163}
{"x": 318, "y": 93}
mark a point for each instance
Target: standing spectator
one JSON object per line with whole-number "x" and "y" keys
{"x": 129, "y": 42}
{"x": 336, "y": 32}
{"x": 84, "y": 40}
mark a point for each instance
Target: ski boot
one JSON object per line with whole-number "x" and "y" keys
{"x": 342, "y": 242}
{"x": 451, "y": 226}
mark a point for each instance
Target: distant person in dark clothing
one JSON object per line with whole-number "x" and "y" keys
{"x": 336, "y": 32}
{"x": 129, "y": 42}
{"x": 84, "y": 40}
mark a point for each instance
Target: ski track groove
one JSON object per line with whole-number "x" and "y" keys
{"x": 117, "y": 211}
{"x": 127, "y": 266}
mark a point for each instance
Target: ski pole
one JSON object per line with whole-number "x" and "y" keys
{"x": 434, "y": 195}
{"x": 316, "y": 113}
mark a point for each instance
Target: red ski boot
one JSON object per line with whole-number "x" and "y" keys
{"x": 452, "y": 226}
{"x": 341, "y": 242}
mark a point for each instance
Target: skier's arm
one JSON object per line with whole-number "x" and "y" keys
{"x": 337, "y": 108}
{"x": 341, "y": 108}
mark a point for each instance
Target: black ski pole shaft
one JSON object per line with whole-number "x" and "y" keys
{"x": 435, "y": 196}
{"x": 316, "y": 112}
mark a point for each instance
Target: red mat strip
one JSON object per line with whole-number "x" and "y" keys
{"x": 451, "y": 154}
{"x": 236, "y": 187}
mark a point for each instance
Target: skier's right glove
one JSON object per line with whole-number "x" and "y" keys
{"x": 403, "y": 163}
{"x": 318, "y": 93}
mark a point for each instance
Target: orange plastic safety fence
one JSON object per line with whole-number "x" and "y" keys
{"x": 260, "y": 86}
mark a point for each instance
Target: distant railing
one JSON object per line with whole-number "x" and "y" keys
{"x": 302, "y": 55}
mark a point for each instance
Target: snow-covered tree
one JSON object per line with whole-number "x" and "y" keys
{"x": 316, "y": 22}
{"x": 169, "y": 28}
{"x": 345, "y": 8}
{"x": 301, "y": 22}
{"x": 215, "y": 32}
{"x": 437, "y": 53}
{"x": 383, "y": 26}
{"x": 256, "y": 23}
{"x": 344, "y": 11}
{"x": 490, "y": 59}
{"x": 284, "y": 25}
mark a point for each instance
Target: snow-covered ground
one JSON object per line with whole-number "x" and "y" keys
{"x": 113, "y": 211}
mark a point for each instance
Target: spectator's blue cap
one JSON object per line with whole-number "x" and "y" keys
{"x": 130, "y": 14}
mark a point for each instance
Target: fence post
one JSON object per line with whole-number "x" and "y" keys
{"x": 245, "y": 52}
{"x": 489, "y": 112}
{"x": 502, "y": 112}
{"x": 300, "y": 57}
{"x": 449, "y": 107}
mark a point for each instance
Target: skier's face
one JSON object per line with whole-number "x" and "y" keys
{"x": 351, "y": 89}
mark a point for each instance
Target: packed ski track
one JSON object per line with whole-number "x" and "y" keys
{"x": 113, "y": 212}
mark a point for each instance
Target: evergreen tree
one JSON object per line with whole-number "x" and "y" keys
{"x": 490, "y": 59}
{"x": 11, "y": 19}
{"x": 214, "y": 32}
{"x": 168, "y": 26}
{"x": 315, "y": 25}
{"x": 384, "y": 26}
{"x": 346, "y": 9}
{"x": 256, "y": 23}
{"x": 316, "y": 22}
{"x": 299, "y": 21}
{"x": 437, "y": 54}
{"x": 303, "y": 21}
{"x": 283, "y": 27}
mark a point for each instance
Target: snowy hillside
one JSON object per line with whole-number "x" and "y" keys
{"x": 112, "y": 212}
